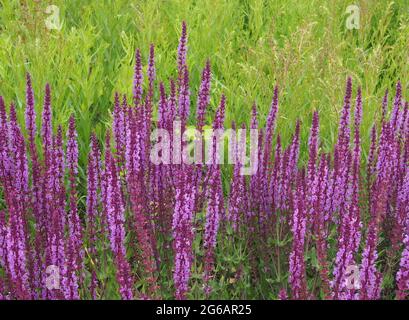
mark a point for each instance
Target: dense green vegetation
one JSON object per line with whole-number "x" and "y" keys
{"x": 304, "y": 46}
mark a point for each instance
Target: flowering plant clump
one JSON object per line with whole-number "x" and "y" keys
{"x": 155, "y": 223}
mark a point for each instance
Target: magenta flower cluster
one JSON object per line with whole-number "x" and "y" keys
{"x": 142, "y": 225}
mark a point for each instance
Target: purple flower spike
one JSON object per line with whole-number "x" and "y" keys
{"x": 184, "y": 98}
{"x": 119, "y": 127}
{"x": 312, "y": 181}
{"x": 297, "y": 277}
{"x": 397, "y": 107}
{"x": 183, "y": 232}
{"x": 46, "y": 129}
{"x": 215, "y": 200}
{"x": 384, "y": 106}
{"x": 203, "y": 98}
{"x": 114, "y": 209}
{"x": 74, "y": 251}
{"x": 402, "y": 277}
{"x": 182, "y": 52}
{"x": 138, "y": 79}
{"x": 93, "y": 200}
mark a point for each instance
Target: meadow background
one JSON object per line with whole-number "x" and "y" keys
{"x": 303, "y": 46}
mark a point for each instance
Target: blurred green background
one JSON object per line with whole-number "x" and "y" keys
{"x": 303, "y": 46}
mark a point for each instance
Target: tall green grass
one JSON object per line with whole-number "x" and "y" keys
{"x": 304, "y": 46}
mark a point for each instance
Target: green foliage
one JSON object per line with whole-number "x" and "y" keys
{"x": 303, "y": 46}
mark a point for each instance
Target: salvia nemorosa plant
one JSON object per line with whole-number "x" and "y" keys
{"x": 148, "y": 229}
